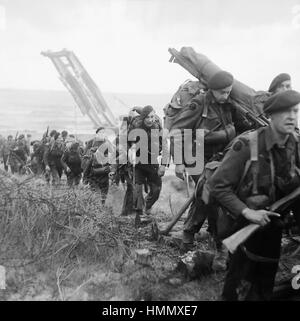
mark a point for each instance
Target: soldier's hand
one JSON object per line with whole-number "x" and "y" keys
{"x": 260, "y": 217}
{"x": 47, "y": 168}
{"x": 161, "y": 170}
{"x": 179, "y": 171}
{"x": 68, "y": 170}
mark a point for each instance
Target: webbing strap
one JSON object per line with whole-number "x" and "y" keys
{"x": 272, "y": 188}
{"x": 254, "y": 160}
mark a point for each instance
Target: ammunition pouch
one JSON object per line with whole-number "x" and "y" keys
{"x": 258, "y": 202}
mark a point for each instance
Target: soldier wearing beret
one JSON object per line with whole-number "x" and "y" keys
{"x": 147, "y": 174}
{"x": 260, "y": 168}
{"x": 281, "y": 82}
{"x": 214, "y": 113}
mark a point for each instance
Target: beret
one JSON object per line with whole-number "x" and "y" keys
{"x": 98, "y": 129}
{"x": 146, "y": 111}
{"x": 220, "y": 80}
{"x": 282, "y": 101}
{"x": 279, "y": 79}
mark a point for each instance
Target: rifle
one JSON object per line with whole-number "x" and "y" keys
{"x": 260, "y": 120}
{"x": 47, "y": 132}
{"x": 236, "y": 239}
{"x": 16, "y": 137}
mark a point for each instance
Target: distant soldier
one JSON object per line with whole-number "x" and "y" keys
{"x": 122, "y": 170}
{"x": 19, "y": 153}
{"x": 2, "y": 146}
{"x": 71, "y": 162}
{"x": 280, "y": 83}
{"x": 28, "y": 141}
{"x": 37, "y": 157}
{"x": 96, "y": 166}
{"x": 52, "y": 158}
{"x": 64, "y": 135}
{"x": 8, "y": 146}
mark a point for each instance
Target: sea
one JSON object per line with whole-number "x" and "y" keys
{"x": 32, "y": 111}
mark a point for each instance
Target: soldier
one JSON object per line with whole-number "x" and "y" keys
{"x": 2, "y": 147}
{"x": 64, "y": 135}
{"x": 214, "y": 113}
{"x": 37, "y": 157}
{"x": 96, "y": 167}
{"x": 122, "y": 170}
{"x": 281, "y": 82}
{"x": 260, "y": 168}
{"x": 52, "y": 158}
{"x": 147, "y": 174}
{"x": 71, "y": 162}
{"x": 19, "y": 152}
{"x": 9, "y": 145}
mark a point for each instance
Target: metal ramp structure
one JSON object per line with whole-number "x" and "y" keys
{"x": 82, "y": 87}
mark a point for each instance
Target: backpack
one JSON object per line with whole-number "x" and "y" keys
{"x": 183, "y": 96}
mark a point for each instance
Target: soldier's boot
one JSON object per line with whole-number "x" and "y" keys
{"x": 220, "y": 259}
{"x": 187, "y": 242}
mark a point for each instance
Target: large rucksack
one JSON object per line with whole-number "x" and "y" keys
{"x": 183, "y": 96}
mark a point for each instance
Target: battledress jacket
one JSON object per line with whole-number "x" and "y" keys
{"x": 277, "y": 171}
{"x": 205, "y": 113}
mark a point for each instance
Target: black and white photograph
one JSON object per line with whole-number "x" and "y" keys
{"x": 149, "y": 151}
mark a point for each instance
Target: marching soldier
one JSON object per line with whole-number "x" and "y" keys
{"x": 212, "y": 112}
{"x": 147, "y": 174}
{"x": 52, "y": 158}
{"x": 96, "y": 166}
{"x": 71, "y": 162}
{"x": 122, "y": 170}
{"x": 260, "y": 168}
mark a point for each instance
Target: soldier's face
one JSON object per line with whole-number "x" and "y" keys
{"x": 222, "y": 95}
{"x": 284, "y": 86}
{"x": 101, "y": 134}
{"x": 286, "y": 121}
{"x": 149, "y": 120}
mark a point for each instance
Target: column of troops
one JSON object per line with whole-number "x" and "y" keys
{"x": 255, "y": 168}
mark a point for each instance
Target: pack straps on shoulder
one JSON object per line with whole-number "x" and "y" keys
{"x": 253, "y": 140}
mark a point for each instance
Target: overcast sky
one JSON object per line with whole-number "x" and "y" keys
{"x": 124, "y": 43}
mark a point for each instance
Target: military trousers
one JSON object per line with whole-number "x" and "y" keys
{"x": 5, "y": 160}
{"x": 147, "y": 174}
{"x": 100, "y": 183}
{"x": 197, "y": 214}
{"x": 73, "y": 179}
